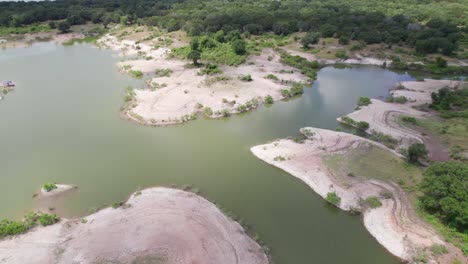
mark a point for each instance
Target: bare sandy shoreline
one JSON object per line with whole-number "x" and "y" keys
{"x": 157, "y": 224}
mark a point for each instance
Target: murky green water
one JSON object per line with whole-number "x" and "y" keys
{"x": 62, "y": 125}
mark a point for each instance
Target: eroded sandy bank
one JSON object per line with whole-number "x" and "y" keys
{"x": 157, "y": 225}
{"x": 394, "y": 224}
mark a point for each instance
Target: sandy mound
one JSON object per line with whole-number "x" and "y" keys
{"x": 160, "y": 225}
{"x": 60, "y": 189}
{"x": 393, "y": 224}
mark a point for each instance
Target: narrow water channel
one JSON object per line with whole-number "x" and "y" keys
{"x": 61, "y": 124}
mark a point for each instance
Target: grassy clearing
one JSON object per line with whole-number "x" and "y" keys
{"x": 372, "y": 162}
{"x": 25, "y": 29}
{"x": 450, "y": 132}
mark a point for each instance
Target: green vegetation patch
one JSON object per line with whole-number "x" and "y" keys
{"x": 373, "y": 202}
{"x": 372, "y": 162}
{"x": 11, "y": 228}
{"x": 333, "y": 198}
{"x": 444, "y": 188}
{"x": 49, "y": 187}
{"x": 363, "y": 101}
{"x": 308, "y": 68}
{"x": 135, "y": 73}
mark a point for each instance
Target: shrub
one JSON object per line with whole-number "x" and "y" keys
{"x": 163, "y": 72}
{"x": 397, "y": 99}
{"x": 409, "y": 119}
{"x": 297, "y": 89}
{"x": 305, "y": 66}
{"x": 416, "y": 151}
{"x": 333, "y": 198}
{"x": 208, "y": 111}
{"x": 279, "y": 158}
{"x": 363, "y": 125}
{"x": 310, "y": 38}
{"x": 135, "y": 74}
{"x": 225, "y": 113}
{"x": 246, "y": 78}
{"x": 373, "y": 202}
{"x": 238, "y": 46}
{"x": 116, "y": 205}
{"x": 210, "y": 69}
{"x": 363, "y": 101}
{"x": 10, "y": 228}
{"x": 400, "y": 99}
{"x": 271, "y": 77}
{"x": 439, "y": 249}
{"x": 285, "y": 93}
{"x": 342, "y": 55}
{"x": 242, "y": 108}
{"x": 268, "y": 99}
{"x": 49, "y": 187}
{"x": 348, "y": 120}
{"x": 48, "y": 219}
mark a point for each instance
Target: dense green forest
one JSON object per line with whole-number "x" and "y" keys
{"x": 428, "y": 26}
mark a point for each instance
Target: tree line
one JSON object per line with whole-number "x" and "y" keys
{"x": 327, "y": 18}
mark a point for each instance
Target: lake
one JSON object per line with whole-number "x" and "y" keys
{"x": 62, "y": 124}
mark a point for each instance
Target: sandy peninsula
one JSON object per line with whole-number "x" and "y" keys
{"x": 394, "y": 224}
{"x": 157, "y": 225}
{"x": 176, "y": 98}
{"x": 383, "y": 116}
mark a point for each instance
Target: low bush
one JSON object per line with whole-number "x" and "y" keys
{"x": 397, "y": 99}
{"x": 49, "y": 187}
{"x": 208, "y": 111}
{"x": 279, "y": 158}
{"x": 271, "y": 77}
{"x": 333, "y": 198}
{"x": 416, "y": 151}
{"x": 210, "y": 69}
{"x": 409, "y": 119}
{"x": 48, "y": 219}
{"x": 439, "y": 249}
{"x": 285, "y": 93}
{"x": 246, "y": 78}
{"x": 268, "y": 99}
{"x": 363, "y": 101}
{"x": 297, "y": 89}
{"x": 135, "y": 73}
{"x": 163, "y": 72}
{"x": 363, "y": 125}
{"x": 373, "y": 202}
{"x": 342, "y": 55}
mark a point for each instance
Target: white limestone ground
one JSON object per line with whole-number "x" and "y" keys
{"x": 158, "y": 225}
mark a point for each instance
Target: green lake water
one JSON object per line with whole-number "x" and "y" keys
{"x": 62, "y": 124}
